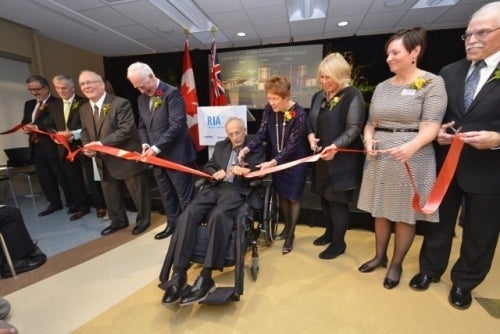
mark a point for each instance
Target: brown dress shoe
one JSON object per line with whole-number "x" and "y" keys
{"x": 77, "y": 215}
{"x": 101, "y": 213}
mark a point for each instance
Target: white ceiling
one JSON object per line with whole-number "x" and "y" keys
{"x": 131, "y": 27}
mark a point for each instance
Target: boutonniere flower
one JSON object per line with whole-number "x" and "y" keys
{"x": 333, "y": 102}
{"x": 157, "y": 101}
{"x": 43, "y": 106}
{"x": 75, "y": 105}
{"x": 419, "y": 83}
{"x": 288, "y": 115}
{"x": 496, "y": 75}
{"x": 105, "y": 108}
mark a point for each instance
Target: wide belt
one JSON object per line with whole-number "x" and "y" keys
{"x": 395, "y": 130}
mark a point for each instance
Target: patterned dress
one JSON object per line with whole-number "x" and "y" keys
{"x": 386, "y": 190}
{"x": 288, "y": 141}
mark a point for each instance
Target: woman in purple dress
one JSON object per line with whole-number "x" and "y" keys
{"x": 284, "y": 128}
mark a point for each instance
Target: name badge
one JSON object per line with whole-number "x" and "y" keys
{"x": 408, "y": 92}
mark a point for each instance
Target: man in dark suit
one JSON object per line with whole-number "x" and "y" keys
{"x": 39, "y": 113}
{"x": 477, "y": 178}
{"x": 68, "y": 124}
{"x": 164, "y": 133}
{"x": 109, "y": 120}
{"x": 24, "y": 254}
{"x": 220, "y": 201}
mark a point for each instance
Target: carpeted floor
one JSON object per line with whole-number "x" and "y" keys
{"x": 117, "y": 292}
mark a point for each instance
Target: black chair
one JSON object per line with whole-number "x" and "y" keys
{"x": 20, "y": 163}
{"x": 255, "y": 218}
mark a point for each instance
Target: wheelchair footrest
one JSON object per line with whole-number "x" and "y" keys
{"x": 221, "y": 296}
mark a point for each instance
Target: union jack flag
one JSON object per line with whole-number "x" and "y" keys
{"x": 217, "y": 92}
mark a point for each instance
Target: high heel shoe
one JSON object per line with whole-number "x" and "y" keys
{"x": 367, "y": 268}
{"x": 390, "y": 283}
{"x": 287, "y": 247}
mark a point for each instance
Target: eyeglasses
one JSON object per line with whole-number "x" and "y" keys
{"x": 36, "y": 90}
{"x": 88, "y": 83}
{"x": 480, "y": 34}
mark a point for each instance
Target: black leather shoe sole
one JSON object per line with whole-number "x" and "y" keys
{"x": 168, "y": 231}
{"x": 139, "y": 229}
{"x": 421, "y": 282}
{"x": 460, "y": 298}
{"x": 112, "y": 229}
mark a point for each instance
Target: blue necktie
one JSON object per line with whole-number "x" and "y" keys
{"x": 471, "y": 84}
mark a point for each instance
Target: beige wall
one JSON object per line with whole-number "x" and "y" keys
{"x": 48, "y": 57}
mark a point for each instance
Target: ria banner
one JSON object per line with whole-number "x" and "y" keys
{"x": 211, "y": 121}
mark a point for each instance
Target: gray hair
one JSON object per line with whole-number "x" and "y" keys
{"x": 140, "y": 68}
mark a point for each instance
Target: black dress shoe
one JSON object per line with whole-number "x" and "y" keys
{"x": 332, "y": 251}
{"x": 101, "y": 213}
{"x": 168, "y": 231}
{"x": 198, "y": 292}
{"x": 421, "y": 282}
{"x": 138, "y": 229}
{"x": 460, "y": 298}
{"x": 78, "y": 214}
{"x": 322, "y": 240}
{"x": 174, "y": 288}
{"x": 367, "y": 268}
{"x": 32, "y": 261}
{"x": 50, "y": 210}
{"x": 113, "y": 228}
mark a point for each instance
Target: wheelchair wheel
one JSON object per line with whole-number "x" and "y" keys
{"x": 271, "y": 214}
{"x": 254, "y": 268}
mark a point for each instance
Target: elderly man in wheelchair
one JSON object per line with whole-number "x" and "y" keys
{"x": 216, "y": 204}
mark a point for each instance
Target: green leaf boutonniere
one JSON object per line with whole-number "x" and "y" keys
{"x": 75, "y": 105}
{"x": 105, "y": 108}
{"x": 157, "y": 101}
{"x": 419, "y": 83}
{"x": 496, "y": 75}
{"x": 288, "y": 115}
{"x": 333, "y": 102}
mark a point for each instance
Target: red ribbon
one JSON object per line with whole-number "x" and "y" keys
{"x": 152, "y": 160}
{"x": 435, "y": 196}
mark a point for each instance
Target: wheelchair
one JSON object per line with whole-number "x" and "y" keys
{"x": 256, "y": 218}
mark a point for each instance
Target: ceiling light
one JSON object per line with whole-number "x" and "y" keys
{"x": 241, "y": 34}
{"x": 299, "y": 10}
{"x": 391, "y": 3}
{"x": 342, "y": 23}
{"x": 185, "y": 13}
{"x": 434, "y": 3}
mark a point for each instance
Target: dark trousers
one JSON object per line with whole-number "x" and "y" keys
{"x": 50, "y": 174}
{"x": 114, "y": 194}
{"x": 16, "y": 235}
{"x": 479, "y": 237}
{"x": 74, "y": 173}
{"x": 220, "y": 203}
{"x": 176, "y": 191}
{"x": 94, "y": 187}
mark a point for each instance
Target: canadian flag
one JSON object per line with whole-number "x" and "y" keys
{"x": 188, "y": 91}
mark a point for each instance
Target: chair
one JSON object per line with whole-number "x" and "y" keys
{"x": 254, "y": 218}
{"x": 7, "y": 256}
{"x": 20, "y": 163}
{"x": 9, "y": 184}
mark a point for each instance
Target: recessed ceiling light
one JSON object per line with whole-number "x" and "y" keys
{"x": 342, "y": 23}
{"x": 390, "y": 3}
{"x": 241, "y": 34}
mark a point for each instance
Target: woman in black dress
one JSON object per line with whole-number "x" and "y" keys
{"x": 284, "y": 127}
{"x": 336, "y": 119}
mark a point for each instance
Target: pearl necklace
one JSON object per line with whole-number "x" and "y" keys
{"x": 278, "y": 148}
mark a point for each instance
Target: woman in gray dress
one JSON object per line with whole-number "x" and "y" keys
{"x": 404, "y": 118}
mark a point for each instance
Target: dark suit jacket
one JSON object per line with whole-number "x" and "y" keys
{"x": 166, "y": 126}
{"x": 220, "y": 158}
{"x": 117, "y": 129}
{"x": 478, "y": 170}
{"x": 45, "y": 122}
{"x": 74, "y": 121}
